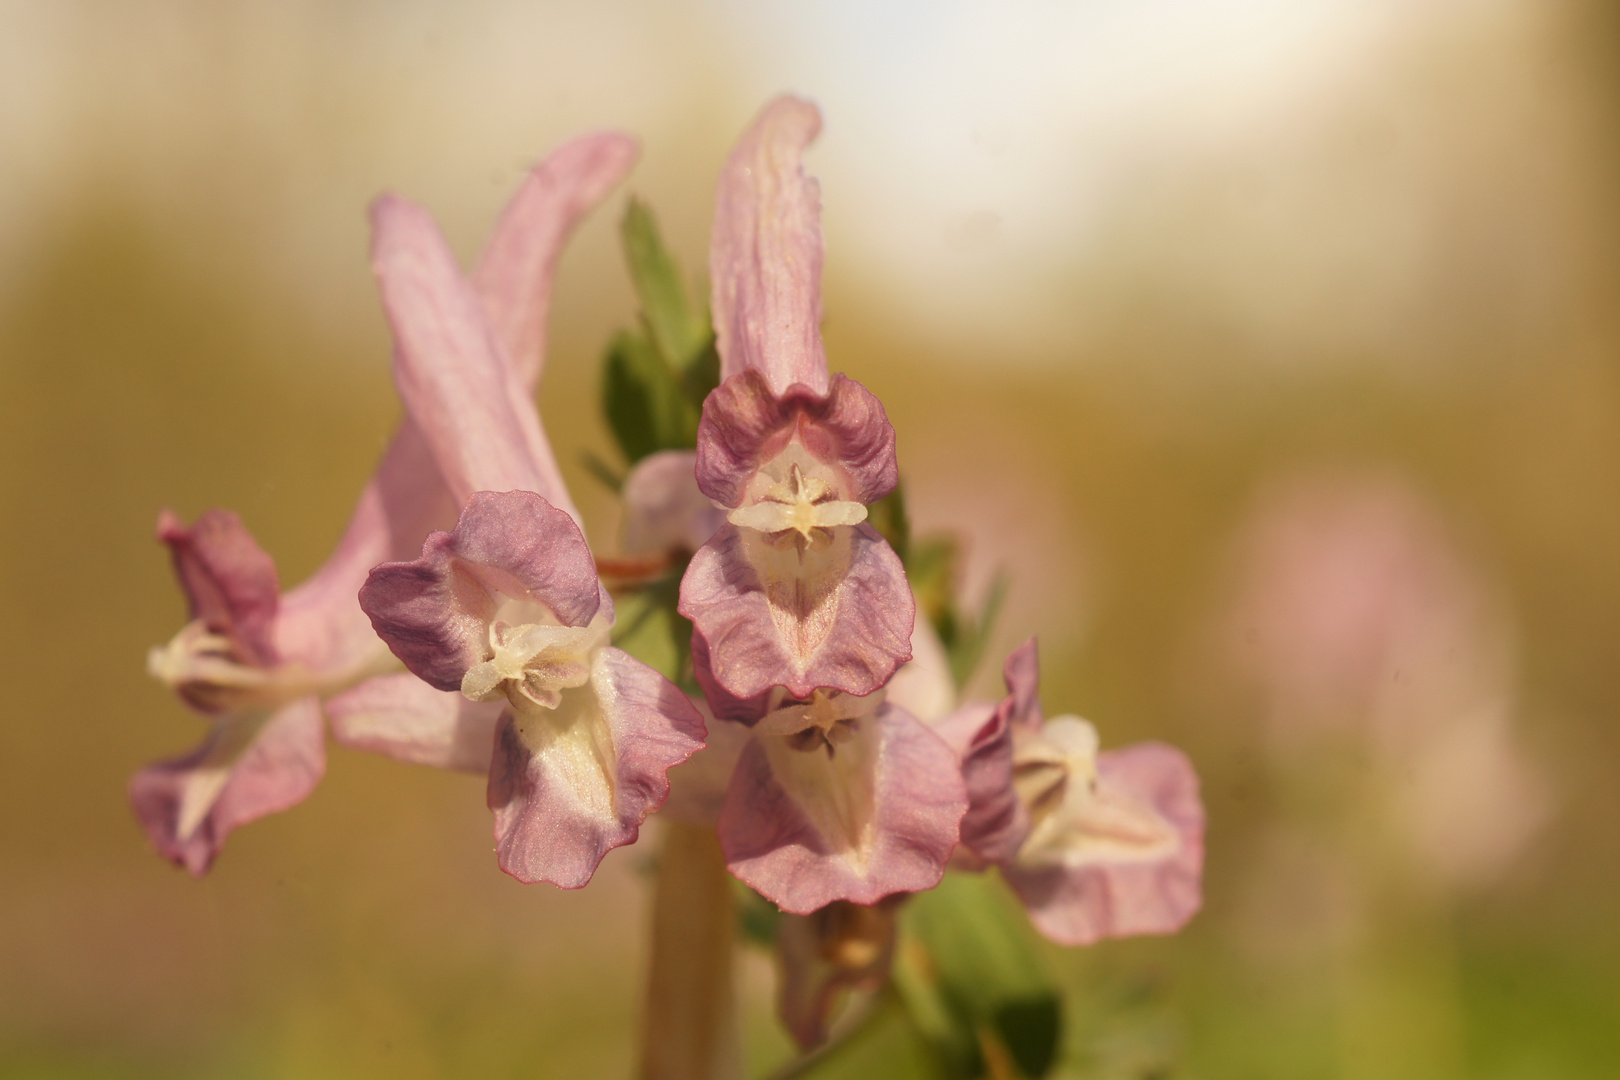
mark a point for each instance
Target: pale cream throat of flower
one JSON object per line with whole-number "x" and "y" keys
{"x": 533, "y": 659}
{"x": 798, "y": 502}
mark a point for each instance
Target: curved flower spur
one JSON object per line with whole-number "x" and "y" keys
{"x": 257, "y": 662}
{"x": 507, "y": 608}
{"x": 801, "y": 610}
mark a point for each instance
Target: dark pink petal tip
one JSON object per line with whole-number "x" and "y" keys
{"x": 555, "y": 818}
{"x": 997, "y": 821}
{"x": 918, "y": 801}
{"x": 844, "y": 625}
{"x": 745, "y": 424}
{"x": 248, "y": 767}
{"x": 765, "y": 252}
{"x": 434, "y": 612}
{"x": 229, "y": 580}
{"x": 1101, "y": 899}
{"x": 1022, "y": 671}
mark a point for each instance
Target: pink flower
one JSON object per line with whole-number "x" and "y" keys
{"x": 1095, "y": 844}
{"x": 258, "y": 663}
{"x": 794, "y": 590}
{"x": 506, "y": 609}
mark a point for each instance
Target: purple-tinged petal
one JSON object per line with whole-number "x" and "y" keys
{"x": 571, "y": 785}
{"x": 1022, "y": 672}
{"x": 250, "y": 765}
{"x": 664, "y": 510}
{"x": 903, "y": 791}
{"x": 765, "y": 252}
{"x": 747, "y": 422}
{"x": 434, "y": 613}
{"x": 723, "y": 703}
{"x": 837, "y": 614}
{"x": 406, "y": 719}
{"x": 515, "y": 273}
{"x": 451, "y": 371}
{"x": 697, "y": 788}
{"x": 842, "y": 947}
{"x": 996, "y": 822}
{"x": 229, "y": 580}
{"x": 1117, "y": 892}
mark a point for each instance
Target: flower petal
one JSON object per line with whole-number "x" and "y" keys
{"x": 1022, "y": 672}
{"x": 841, "y": 947}
{"x": 1118, "y": 897}
{"x": 746, "y": 422}
{"x": 664, "y": 510}
{"x": 916, "y": 801}
{"x": 515, "y": 273}
{"x": 569, "y": 787}
{"x": 249, "y": 766}
{"x": 434, "y": 612}
{"x": 451, "y": 371}
{"x": 996, "y": 822}
{"x": 838, "y": 618}
{"x": 229, "y": 580}
{"x": 406, "y": 719}
{"x": 765, "y": 252}
{"x": 923, "y": 685}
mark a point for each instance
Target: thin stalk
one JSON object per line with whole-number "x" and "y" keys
{"x": 690, "y": 1027}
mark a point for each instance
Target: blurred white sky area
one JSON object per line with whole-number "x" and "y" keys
{"x": 1007, "y": 178}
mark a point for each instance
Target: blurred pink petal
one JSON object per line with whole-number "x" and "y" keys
{"x": 924, "y": 685}
{"x": 404, "y": 718}
{"x": 228, "y": 580}
{"x": 765, "y": 253}
{"x": 1136, "y": 867}
{"x": 841, "y": 947}
{"x": 250, "y": 765}
{"x": 697, "y": 788}
{"x": 570, "y": 784}
{"x": 854, "y": 815}
{"x": 664, "y": 510}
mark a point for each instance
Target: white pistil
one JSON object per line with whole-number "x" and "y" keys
{"x": 800, "y": 503}
{"x": 531, "y": 664}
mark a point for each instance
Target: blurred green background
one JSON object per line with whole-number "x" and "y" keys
{"x": 1113, "y": 268}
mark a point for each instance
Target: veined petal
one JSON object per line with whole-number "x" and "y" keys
{"x": 1116, "y": 891}
{"x": 408, "y": 720}
{"x": 996, "y": 822}
{"x": 251, "y": 764}
{"x": 838, "y": 615}
{"x": 808, "y": 830}
{"x": 450, "y": 369}
{"x": 434, "y": 613}
{"x": 664, "y": 510}
{"x": 747, "y": 422}
{"x": 515, "y": 273}
{"x": 228, "y": 579}
{"x": 569, "y": 785}
{"x": 765, "y": 252}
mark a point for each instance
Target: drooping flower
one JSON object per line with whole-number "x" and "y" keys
{"x": 795, "y": 590}
{"x": 258, "y": 663}
{"x": 1095, "y": 844}
{"x": 506, "y": 608}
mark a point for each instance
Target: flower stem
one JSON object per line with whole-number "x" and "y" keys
{"x": 690, "y": 1027}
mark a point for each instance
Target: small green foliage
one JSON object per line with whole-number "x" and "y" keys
{"x": 654, "y": 378}
{"x": 968, "y": 955}
{"x": 757, "y": 917}
{"x": 888, "y": 517}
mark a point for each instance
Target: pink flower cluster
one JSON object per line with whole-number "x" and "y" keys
{"x": 466, "y": 563}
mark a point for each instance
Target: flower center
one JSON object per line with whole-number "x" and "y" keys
{"x": 206, "y": 670}
{"x": 800, "y": 503}
{"x": 530, "y": 664}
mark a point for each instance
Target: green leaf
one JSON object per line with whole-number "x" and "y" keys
{"x": 973, "y": 635}
{"x": 757, "y": 917}
{"x": 982, "y": 963}
{"x": 643, "y": 628}
{"x": 646, "y": 405}
{"x": 888, "y": 517}
{"x": 675, "y": 328}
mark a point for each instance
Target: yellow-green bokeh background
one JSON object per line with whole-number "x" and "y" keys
{"x": 186, "y": 320}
